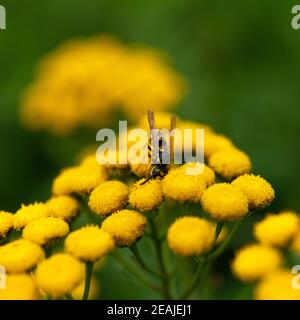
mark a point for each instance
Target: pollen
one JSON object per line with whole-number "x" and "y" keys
{"x": 108, "y": 197}
{"x": 89, "y": 243}
{"x": 125, "y": 226}
{"x": 189, "y": 236}
{"x": 224, "y": 202}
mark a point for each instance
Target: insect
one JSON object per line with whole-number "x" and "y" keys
{"x": 158, "y": 168}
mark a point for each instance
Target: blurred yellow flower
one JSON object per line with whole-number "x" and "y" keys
{"x": 83, "y": 81}
{"x": 19, "y": 287}
{"x": 64, "y": 207}
{"x": 230, "y": 163}
{"x": 258, "y": 191}
{"x": 189, "y": 236}
{"x": 108, "y": 197}
{"x": 94, "y": 290}
{"x": 277, "y": 229}
{"x": 6, "y": 223}
{"x": 224, "y": 202}
{"x": 147, "y": 196}
{"x": 277, "y": 285}
{"x": 125, "y": 226}
{"x": 255, "y": 261}
{"x": 215, "y": 142}
{"x": 59, "y": 274}
{"x": 20, "y": 256}
{"x": 89, "y": 243}
{"x": 43, "y": 230}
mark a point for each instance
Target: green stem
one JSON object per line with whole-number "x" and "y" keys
{"x": 139, "y": 277}
{"x": 88, "y": 276}
{"x": 164, "y": 275}
{"x": 139, "y": 260}
{"x": 218, "y": 230}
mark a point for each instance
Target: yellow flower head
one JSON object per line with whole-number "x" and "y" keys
{"x": 109, "y": 197}
{"x": 147, "y": 196}
{"x": 258, "y": 191}
{"x": 93, "y": 293}
{"x": 277, "y": 285}
{"x": 28, "y": 213}
{"x": 189, "y": 236}
{"x": 230, "y": 163}
{"x": 214, "y": 143}
{"x": 224, "y": 202}
{"x": 59, "y": 274}
{"x": 179, "y": 186}
{"x": 81, "y": 179}
{"x": 141, "y": 170}
{"x": 63, "y": 207}
{"x": 6, "y": 223}
{"x": 89, "y": 243}
{"x": 162, "y": 120}
{"x": 125, "y": 226}
{"x": 255, "y": 261}
{"x": 277, "y": 229}
{"x": 19, "y": 287}
{"x": 43, "y": 230}
{"x": 20, "y": 256}
{"x": 295, "y": 245}
{"x": 207, "y": 174}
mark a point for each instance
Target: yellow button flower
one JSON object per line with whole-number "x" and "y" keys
{"x": 146, "y": 197}
{"x": 109, "y": 197}
{"x": 230, "y": 163}
{"x": 6, "y": 223}
{"x": 295, "y": 244}
{"x": 277, "y": 229}
{"x": 93, "y": 293}
{"x": 59, "y": 274}
{"x": 64, "y": 207}
{"x": 89, "y": 243}
{"x": 125, "y": 226}
{"x": 80, "y": 179}
{"x": 19, "y": 287}
{"x": 141, "y": 170}
{"x": 28, "y": 213}
{"x": 43, "y": 230}
{"x": 189, "y": 236}
{"x": 255, "y": 261}
{"x": 179, "y": 186}
{"x": 207, "y": 174}
{"x": 20, "y": 256}
{"x": 277, "y": 285}
{"x": 215, "y": 142}
{"x": 258, "y": 191}
{"x": 224, "y": 202}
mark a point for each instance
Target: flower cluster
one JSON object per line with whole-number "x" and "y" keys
{"x": 84, "y": 81}
{"x": 262, "y": 263}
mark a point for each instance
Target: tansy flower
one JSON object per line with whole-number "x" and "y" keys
{"x": 64, "y": 207}
{"x": 162, "y": 120}
{"x": 43, "y": 230}
{"x": 109, "y": 197}
{"x": 277, "y": 285}
{"x": 28, "y": 213}
{"x": 224, "y": 202}
{"x": 125, "y": 226}
{"x": 147, "y": 196}
{"x": 6, "y": 223}
{"x": 89, "y": 243}
{"x": 207, "y": 173}
{"x": 215, "y": 142}
{"x": 19, "y": 287}
{"x": 295, "y": 245}
{"x": 179, "y": 186}
{"x": 277, "y": 229}
{"x": 255, "y": 261}
{"x": 258, "y": 191}
{"x": 230, "y": 163}
{"x": 20, "y": 256}
{"x": 93, "y": 293}
{"x": 81, "y": 179}
{"x": 59, "y": 274}
{"x": 189, "y": 236}
{"x": 141, "y": 170}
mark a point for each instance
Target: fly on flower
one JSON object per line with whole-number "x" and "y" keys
{"x": 159, "y": 149}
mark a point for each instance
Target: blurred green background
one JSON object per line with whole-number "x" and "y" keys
{"x": 241, "y": 62}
